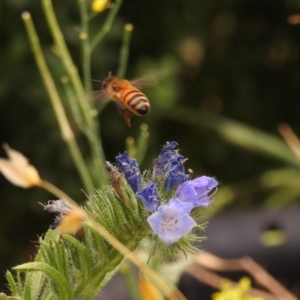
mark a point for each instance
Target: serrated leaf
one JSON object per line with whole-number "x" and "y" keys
{"x": 55, "y": 275}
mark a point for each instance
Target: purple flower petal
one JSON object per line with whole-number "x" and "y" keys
{"x": 176, "y": 175}
{"x": 197, "y": 191}
{"x": 149, "y": 196}
{"x": 169, "y": 163}
{"x": 131, "y": 170}
{"x": 171, "y": 221}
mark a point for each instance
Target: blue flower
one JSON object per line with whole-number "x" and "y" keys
{"x": 169, "y": 163}
{"x": 176, "y": 174}
{"x": 197, "y": 191}
{"x": 171, "y": 221}
{"x": 131, "y": 170}
{"x": 149, "y": 196}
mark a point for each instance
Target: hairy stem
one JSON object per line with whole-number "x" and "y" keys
{"x": 165, "y": 287}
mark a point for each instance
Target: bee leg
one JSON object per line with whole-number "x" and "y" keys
{"x": 126, "y": 114}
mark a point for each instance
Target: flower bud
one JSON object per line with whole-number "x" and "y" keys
{"x": 18, "y": 171}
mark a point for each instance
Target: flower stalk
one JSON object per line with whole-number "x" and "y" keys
{"x": 107, "y": 24}
{"x": 162, "y": 284}
{"x": 129, "y": 274}
{"x": 87, "y": 111}
{"x": 85, "y": 44}
{"x": 56, "y": 191}
{"x": 64, "y": 125}
{"x": 124, "y": 52}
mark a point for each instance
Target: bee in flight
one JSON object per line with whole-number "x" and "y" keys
{"x": 130, "y": 100}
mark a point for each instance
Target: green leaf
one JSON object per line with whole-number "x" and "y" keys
{"x": 12, "y": 283}
{"x": 60, "y": 257}
{"x": 55, "y": 275}
{"x": 48, "y": 254}
{"x": 27, "y": 289}
{"x": 84, "y": 256}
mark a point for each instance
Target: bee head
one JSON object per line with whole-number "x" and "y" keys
{"x": 107, "y": 81}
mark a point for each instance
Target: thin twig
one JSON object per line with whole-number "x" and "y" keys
{"x": 247, "y": 264}
{"x": 265, "y": 279}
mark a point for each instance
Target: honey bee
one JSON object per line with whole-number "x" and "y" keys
{"x": 130, "y": 100}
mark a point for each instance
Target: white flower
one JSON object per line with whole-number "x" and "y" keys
{"x": 17, "y": 169}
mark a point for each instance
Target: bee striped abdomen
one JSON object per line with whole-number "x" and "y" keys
{"x": 137, "y": 102}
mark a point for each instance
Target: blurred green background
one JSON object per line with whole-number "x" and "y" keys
{"x": 227, "y": 58}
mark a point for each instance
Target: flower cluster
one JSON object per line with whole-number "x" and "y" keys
{"x": 170, "y": 219}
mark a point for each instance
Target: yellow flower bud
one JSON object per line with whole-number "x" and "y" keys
{"x": 71, "y": 223}
{"x": 148, "y": 290}
{"x": 17, "y": 169}
{"x": 100, "y": 5}
{"x": 69, "y": 217}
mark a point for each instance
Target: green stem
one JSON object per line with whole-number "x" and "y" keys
{"x": 75, "y": 108}
{"x": 88, "y": 113}
{"x": 85, "y": 43}
{"x": 128, "y": 273}
{"x": 107, "y": 24}
{"x": 166, "y": 288}
{"x": 124, "y": 52}
{"x": 131, "y": 147}
{"x": 67, "y": 60}
{"x": 56, "y": 191}
{"x": 64, "y": 125}
{"x": 142, "y": 143}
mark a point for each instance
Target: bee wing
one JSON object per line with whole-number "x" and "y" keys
{"x": 149, "y": 79}
{"x": 98, "y": 96}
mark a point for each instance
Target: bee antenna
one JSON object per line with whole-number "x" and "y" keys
{"x": 95, "y": 80}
